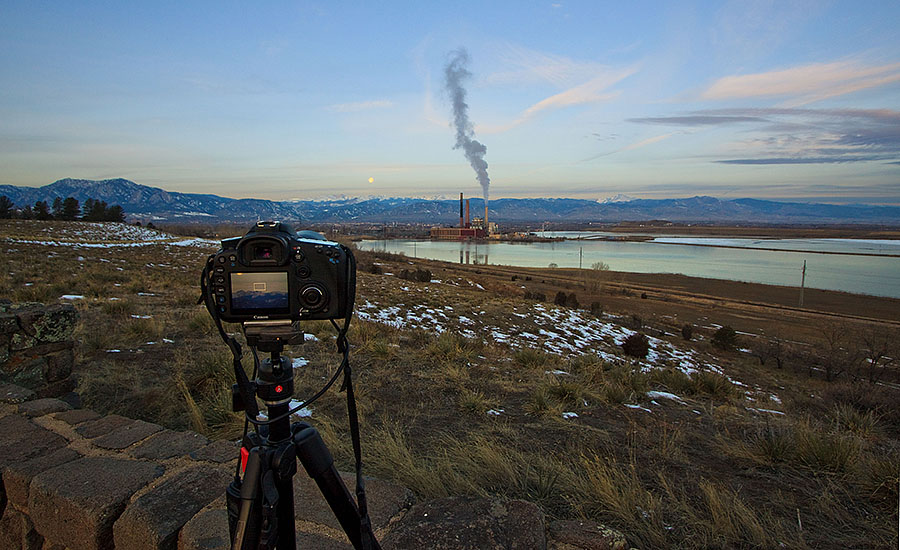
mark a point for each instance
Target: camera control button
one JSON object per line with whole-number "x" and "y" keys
{"x": 233, "y": 258}
{"x": 220, "y": 269}
{"x": 221, "y": 259}
{"x": 220, "y": 299}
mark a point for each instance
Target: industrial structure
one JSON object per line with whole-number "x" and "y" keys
{"x": 476, "y": 228}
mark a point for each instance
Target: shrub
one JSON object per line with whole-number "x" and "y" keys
{"x": 560, "y": 298}
{"x": 687, "y": 331}
{"x": 420, "y": 275}
{"x": 725, "y": 338}
{"x": 636, "y": 345}
{"x": 571, "y": 300}
{"x": 596, "y": 309}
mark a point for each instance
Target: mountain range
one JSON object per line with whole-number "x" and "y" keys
{"x": 145, "y": 203}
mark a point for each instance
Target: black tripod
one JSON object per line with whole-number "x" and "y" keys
{"x": 261, "y": 502}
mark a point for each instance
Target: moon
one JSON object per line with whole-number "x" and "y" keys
{"x": 371, "y": 180}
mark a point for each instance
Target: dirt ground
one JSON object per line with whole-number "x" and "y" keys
{"x": 674, "y": 300}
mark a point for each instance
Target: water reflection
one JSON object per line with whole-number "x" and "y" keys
{"x": 877, "y": 275}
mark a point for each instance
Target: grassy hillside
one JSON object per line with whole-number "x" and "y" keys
{"x": 466, "y": 386}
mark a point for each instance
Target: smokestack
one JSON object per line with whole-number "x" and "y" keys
{"x": 486, "y": 228}
{"x": 468, "y": 223}
{"x": 460, "y": 210}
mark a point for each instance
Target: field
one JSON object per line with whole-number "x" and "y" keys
{"x": 472, "y": 380}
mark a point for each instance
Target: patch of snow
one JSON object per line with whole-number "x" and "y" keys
{"x": 299, "y": 362}
{"x": 495, "y": 412}
{"x": 630, "y": 406}
{"x": 664, "y": 395}
{"x": 71, "y": 297}
{"x": 569, "y": 415}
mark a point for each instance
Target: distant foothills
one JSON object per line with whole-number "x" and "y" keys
{"x": 152, "y": 204}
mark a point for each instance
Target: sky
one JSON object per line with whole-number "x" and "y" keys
{"x": 782, "y": 99}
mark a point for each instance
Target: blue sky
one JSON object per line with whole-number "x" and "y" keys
{"x": 782, "y": 99}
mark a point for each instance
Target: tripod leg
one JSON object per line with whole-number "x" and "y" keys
{"x": 319, "y": 464}
{"x": 248, "y": 520}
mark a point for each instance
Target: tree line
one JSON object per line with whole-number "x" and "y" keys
{"x": 92, "y": 210}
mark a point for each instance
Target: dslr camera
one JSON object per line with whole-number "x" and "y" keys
{"x": 274, "y": 273}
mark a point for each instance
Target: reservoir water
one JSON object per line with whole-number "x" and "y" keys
{"x": 849, "y": 265}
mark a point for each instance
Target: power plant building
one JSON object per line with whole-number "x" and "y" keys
{"x": 475, "y": 229}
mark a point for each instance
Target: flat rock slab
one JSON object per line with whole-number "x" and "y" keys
{"x": 584, "y": 535}
{"x": 385, "y": 500}
{"x": 467, "y": 523}
{"x": 77, "y": 416}
{"x": 76, "y": 504}
{"x": 127, "y": 436}
{"x": 101, "y": 426}
{"x": 168, "y": 444}
{"x": 40, "y": 407}
{"x": 17, "y": 476}
{"x": 12, "y": 393}
{"x": 22, "y": 439}
{"x": 154, "y": 519}
{"x": 207, "y": 530}
{"x": 220, "y": 452}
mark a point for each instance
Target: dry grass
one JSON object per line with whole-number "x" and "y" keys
{"x": 702, "y": 473}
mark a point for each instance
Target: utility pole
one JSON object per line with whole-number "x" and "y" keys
{"x": 802, "y": 282}
{"x": 580, "y": 255}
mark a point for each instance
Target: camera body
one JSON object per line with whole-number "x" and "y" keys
{"x": 273, "y": 273}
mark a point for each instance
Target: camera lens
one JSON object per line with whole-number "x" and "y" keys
{"x": 312, "y": 297}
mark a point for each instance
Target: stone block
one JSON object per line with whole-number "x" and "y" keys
{"x": 59, "y": 365}
{"x": 60, "y": 388}
{"x": 154, "y": 519}
{"x": 220, "y": 452}
{"x": 584, "y": 535}
{"x": 18, "y": 475}
{"x": 102, "y": 426}
{"x": 77, "y": 416}
{"x": 22, "y": 440}
{"x": 77, "y": 503}
{"x": 53, "y": 323}
{"x": 25, "y": 371}
{"x": 21, "y": 341}
{"x": 208, "y": 530}
{"x": 468, "y": 523}
{"x": 31, "y": 539}
{"x": 40, "y": 407}
{"x": 385, "y": 500}
{"x": 168, "y": 444}
{"x": 11, "y": 528}
{"x": 127, "y": 435}
{"x": 8, "y": 323}
{"x": 11, "y": 393}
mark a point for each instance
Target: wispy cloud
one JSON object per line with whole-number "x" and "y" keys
{"x": 799, "y": 136}
{"x": 635, "y": 145}
{"x": 360, "y": 106}
{"x": 592, "y": 91}
{"x": 805, "y": 84}
{"x": 527, "y": 66}
{"x": 697, "y": 120}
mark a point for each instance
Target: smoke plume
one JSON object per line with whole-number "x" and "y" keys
{"x": 455, "y": 73}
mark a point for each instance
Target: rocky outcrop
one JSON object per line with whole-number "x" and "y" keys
{"x": 36, "y": 349}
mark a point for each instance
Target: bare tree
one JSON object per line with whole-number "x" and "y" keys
{"x": 879, "y": 352}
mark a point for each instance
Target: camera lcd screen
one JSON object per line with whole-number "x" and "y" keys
{"x": 260, "y": 292}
